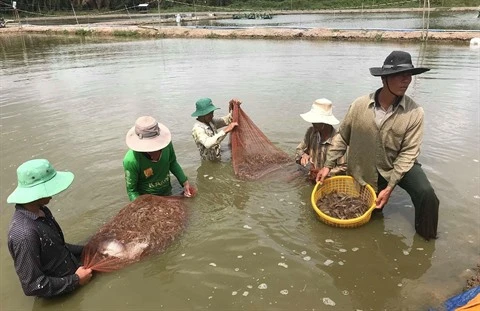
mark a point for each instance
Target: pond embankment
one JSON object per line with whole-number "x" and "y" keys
{"x": 119, "y": 30}
{"x": 147, "y": 25}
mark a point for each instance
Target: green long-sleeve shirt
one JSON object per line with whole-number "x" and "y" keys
{"x": 390, "y": 149}
{"x": 143, "y": 176}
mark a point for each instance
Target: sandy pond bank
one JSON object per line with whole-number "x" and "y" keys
{"x": 120, "y": 26}
{"x": 243, "y": 33}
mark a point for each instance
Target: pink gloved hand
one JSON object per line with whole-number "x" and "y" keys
{"x": 188, "y": 190}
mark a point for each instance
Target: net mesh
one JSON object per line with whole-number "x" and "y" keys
{"x": 144, "y": 227}
{"x": 253, "y": 154}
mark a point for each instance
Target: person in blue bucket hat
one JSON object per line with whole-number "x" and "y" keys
{"x": 383, "y": 132}
{"x": 206, "y": 131}
{"x": 45, "y": 264}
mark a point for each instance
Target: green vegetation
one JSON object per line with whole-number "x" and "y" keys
{"x": 83, "y": 32}
{"x": 378, "y": 37}
{"x": 36, "y": 8}
{"x": 126, "y": 33}
{"x": 212, "y": 36}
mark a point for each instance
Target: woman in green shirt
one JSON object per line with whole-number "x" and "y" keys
{"x": 150, "y": 160}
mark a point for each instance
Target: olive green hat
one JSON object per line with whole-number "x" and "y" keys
{"x": 203, "y": 107}
{"x": 38, "y": 179}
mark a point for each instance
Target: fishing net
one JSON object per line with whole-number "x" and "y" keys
{"x": 253, "y": 154}
{"x": 144, "y": 227}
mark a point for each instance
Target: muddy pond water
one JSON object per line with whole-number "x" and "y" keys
{"x": 253, "y": 245}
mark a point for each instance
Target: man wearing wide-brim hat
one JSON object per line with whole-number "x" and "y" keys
{"x": 150, "y": 160}
{"x": 208, "y": 132}
{"x": 384, "y": 131}
{"x": 45, "y": 264}
{"x": 312, "y": 151}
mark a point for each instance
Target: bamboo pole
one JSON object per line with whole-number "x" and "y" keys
{"x": 159, "y": 16}
{"x": 73, "y": 9}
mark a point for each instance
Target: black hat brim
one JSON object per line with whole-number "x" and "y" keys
{"x": 381, "y": 72}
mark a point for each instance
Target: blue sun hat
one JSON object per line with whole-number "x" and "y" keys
{"x": 38, "y": 179}
{"x": 203, "y": 107}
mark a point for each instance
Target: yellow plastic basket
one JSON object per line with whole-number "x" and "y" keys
{"x": 346, "y": 185}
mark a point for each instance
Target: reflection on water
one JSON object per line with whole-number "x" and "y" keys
{"x": 248, "y": 245}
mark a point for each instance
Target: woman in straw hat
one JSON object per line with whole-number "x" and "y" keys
{"x": 150, "y": 160}
{"x": 45, "y": 264}
{"x": 312, "y": 150}
{"x": 384, "y": 131}
{"x": 205, "y": 130}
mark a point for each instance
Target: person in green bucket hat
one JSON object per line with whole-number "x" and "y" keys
{"x": 45, "y": 264}
{"x": 205, "y": 130}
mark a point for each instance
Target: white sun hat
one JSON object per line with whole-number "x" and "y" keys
{"x": 321, "y": 112}
{"x": 148, "y": 135}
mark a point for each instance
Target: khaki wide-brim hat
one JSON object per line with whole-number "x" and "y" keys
{"x": 321, "y": 112}
{"x": 148, "y": 135}
{"x": 38, "y": 179}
